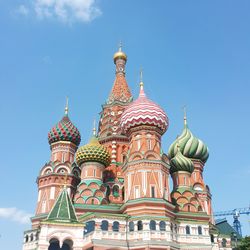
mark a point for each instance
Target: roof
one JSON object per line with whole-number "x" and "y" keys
{"x": 63, "y": 209}
{"x": 225, "y": 228}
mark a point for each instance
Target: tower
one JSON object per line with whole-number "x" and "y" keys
{"x": 146, "y": 175}
{"x": 110, "y": 133}
{"x": 194, "y": 149}
{"x": 64, "y": 139}
{"x": 92, "y": 158}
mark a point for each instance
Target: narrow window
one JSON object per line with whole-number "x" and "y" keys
{"x": 153, "y": 191}
{"x": 139, "y": 225}
{"x": 115, "y": 226}
{"x": 152, "y": 225}
{"x": 162, "y": 226}
{"x": 138, "y": 145}
{"x": 90, "y": 227}
{"x": 43, "y": 206}
{"x": 131, "y": 226}
{"x": 104, "y": 225}
{"x": 187, "y": 229}
{"x": 94, "y": 173}
{"x": 185, "y": 180}
{"x": 224, "y": 242}
{"x": 199, "y": 230}
{"x": 212, "y": 238}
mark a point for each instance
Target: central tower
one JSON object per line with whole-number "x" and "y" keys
{"x": 110, "y": 134}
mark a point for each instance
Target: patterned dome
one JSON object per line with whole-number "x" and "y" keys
{"x": 181, "y": 163}
{"x": 93, "y": 151}
{"x": 64, "y": 130}
{"x": 190, "y": 146}
{"x": 144, "y": 112}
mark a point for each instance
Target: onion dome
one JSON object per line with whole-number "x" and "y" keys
{"x": 93, "y": 152}
{"x": 120, "y": 54}
{"x": 144, "y": 112}
{"x": 190, "y": 146}
{"x": 181, "y": 163}
{"x": 64, "y": 130}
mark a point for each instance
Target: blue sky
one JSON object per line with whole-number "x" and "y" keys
{"x": 193, "y": 53}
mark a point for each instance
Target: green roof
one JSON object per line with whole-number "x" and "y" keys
{"x": 63, "y": 209}
{"x": 225, "y": 228}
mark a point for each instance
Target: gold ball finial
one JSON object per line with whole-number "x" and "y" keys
{"x": 120, "y": 54}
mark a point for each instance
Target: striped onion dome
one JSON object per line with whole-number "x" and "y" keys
{"x": 144, "y": 112}
{"x": 64, "y": 130}
{"x": 190, "y": 146}
{"x": 93, "y": 152}
{"x": 181, "y": 163}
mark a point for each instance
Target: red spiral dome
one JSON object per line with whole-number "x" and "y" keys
{"x": 144, "y": 112}
{"x": 64, "y": 130}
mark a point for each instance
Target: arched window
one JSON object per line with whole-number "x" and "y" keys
{"x": 115, "y": 191}
{"x": 162, "y": 226}
{"x": 31, "y": 237}
{"x": 175, "y": 228}
{"x": 224, "y": 242}
{"x": 171, "y": 227}
{"x": 108, "y": 192}
{"x": 152, "y": 225}
{"x": 131, "y": 226}
{"x": 187, "y": 229}
{"x": 123, "y": 193}
{"x": 199, "y": 230}
{"x": 67, "y": 245}
{"x": 26, "y": 238}
{"x": 105, "y": 225}
{"x": 54, "y": 244}
{"x": 212, "y": 238}
{"x": 115, "y": 226}
{"x": 139, "y": 225}
{"x": 90, "y": 227}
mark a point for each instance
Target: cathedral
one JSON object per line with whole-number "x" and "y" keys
{"x": 114, "y": 192}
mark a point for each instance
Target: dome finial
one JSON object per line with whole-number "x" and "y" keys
{"x": 66, "y": 110}
{"x": 141, "y": 78}
{"x": 120, "y": 46}
{"x": 185, "y": 115}
{"x": 94, "y": 128}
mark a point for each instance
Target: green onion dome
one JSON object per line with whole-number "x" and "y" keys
{"x": 93, "y": 151}
{"x": 190, "y": 146}
{"x": 181, "y": 163}
{"x": 64, "y": 130}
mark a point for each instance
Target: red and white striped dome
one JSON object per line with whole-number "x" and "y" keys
{"x": 144, "y": 112}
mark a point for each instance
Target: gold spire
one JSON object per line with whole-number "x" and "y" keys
{"x": 141, "y": 78}
{"x": 120, "y": 46}
{"x": 94, "y": 129}
{"x": 185, "y": 115}
{"x": 67, "y": 106}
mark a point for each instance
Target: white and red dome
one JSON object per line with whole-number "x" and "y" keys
{"x": 144, "y": 112}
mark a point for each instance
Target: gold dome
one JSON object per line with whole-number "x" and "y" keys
{"x": 120, "y": 54}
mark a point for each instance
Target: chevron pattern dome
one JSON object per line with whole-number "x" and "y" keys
{"x": 64, "y": 130}
{"x": 144, "y": 112}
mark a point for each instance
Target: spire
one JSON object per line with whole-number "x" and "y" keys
{"x": 120, "y": 91}
{"x": 66, "y": 110}
{"x": 142, "y": 93}
{"x": 63, "y": 209}
{"x": 94, "y": 129}
{"x": 185, "y": 115}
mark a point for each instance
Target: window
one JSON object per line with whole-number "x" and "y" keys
{"x": 152, "y": 225}
{"x": 162, "y": 226}
{"x": 31, "y": 237}
{"x": 139, "y": 225}
{"x": 26, "y": 238}
{"x": 212, "y": 238}
{"x": 94, "y": 173}
{"x": 153, "y": 191}
{"x": 115, "y": 226}
{"x": 115, "y": 191}
{"x": 187, "y": 229}
{"x": 199, "y": 230}
{"x": 131, "y": 226}
{"x": 224, "y": 242}
{"x": 137, "y": 192}
{"x": 43, "y": 206}
{"x": 105, "y": 225}
{"x": 185, "y": 180}
{"x": 90, "y": 227}
{"x": 138, "y": 145}
{"x": 171, "y": 227}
